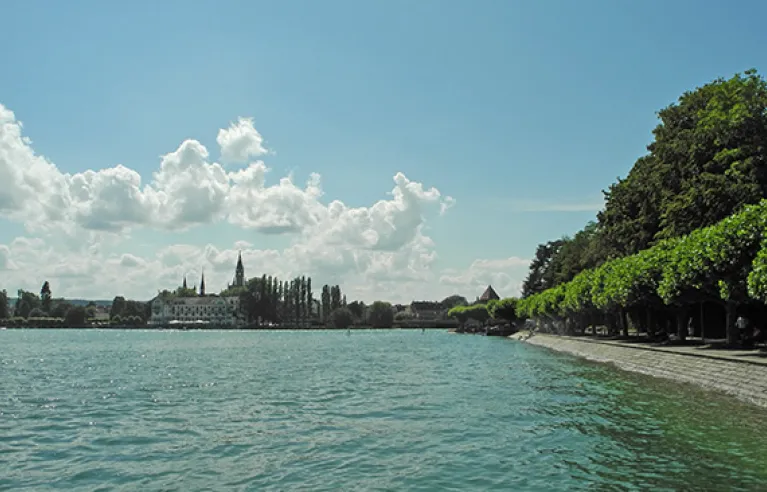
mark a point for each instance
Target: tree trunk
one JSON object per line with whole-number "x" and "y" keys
{"x": 624, "y": 322}
{"x": 733, "y": 336}
{"x": 681, "y": 326}
{"x": 650, "y": 328}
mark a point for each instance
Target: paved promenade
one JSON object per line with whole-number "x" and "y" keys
{"x": 742, "y": 374}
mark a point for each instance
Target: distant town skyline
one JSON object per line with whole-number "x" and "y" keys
{"x": 403, "y": 151}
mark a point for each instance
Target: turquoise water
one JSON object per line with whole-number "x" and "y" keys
{"x": 376, "y": 410}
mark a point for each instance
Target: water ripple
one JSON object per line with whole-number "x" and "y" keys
{"x": 382, "y": 410}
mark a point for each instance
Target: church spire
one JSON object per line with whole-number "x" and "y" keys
{"x": 185, "y": 282}
{"x": 239, "y": 272}
{"x": 202, "y": 284}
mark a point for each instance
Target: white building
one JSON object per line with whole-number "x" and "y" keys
{"x": 208, "y": 310}
{"x": 200, "y": 310}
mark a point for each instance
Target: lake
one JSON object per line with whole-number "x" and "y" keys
{"x": 374, "y": 410}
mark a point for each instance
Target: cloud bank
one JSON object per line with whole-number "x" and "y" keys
{"x": 79, "y": 226}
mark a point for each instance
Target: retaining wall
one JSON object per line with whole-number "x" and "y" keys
{"x": 743, "y": 380}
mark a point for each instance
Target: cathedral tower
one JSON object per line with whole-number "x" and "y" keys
{"x": 202, "y": 284}
{"x": 239, "y": 272}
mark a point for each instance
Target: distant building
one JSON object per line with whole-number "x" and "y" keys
{"x": 200, "y": 309}
{"x": 208, "y": 310}
{"x": 239, "y": 273}
{"x": 488, "y": 295}
{"x": 427, "y": 310}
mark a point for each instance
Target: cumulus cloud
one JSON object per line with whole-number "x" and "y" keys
{"x": 505, "y": 275}
{"x": 240, "y": 141}
{"x": 376, "y": 251}
{"x": 189, "y": 190}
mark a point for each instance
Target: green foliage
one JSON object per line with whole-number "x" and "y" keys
{"x": 725, "y": 262}
{"x": 341, "y": 318}
{"x": 75, "y": 317}
{"x": 4, "y": 309}
{"x": 505, "y": 309}
{"x": 404, "y": 316}
{"x": 706, "y": 162}
{"x": 45, "y": 297}
{"x": 25, "y": 303}
{"x": 476, "y": 312}
{"x": 540, "y": 276}
{"x": 358, "y": 309}
{"x": 381, "y": 315}
{"x": 453, "y": 301}
{"x": 685, "y": 225}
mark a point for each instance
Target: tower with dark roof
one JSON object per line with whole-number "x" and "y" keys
{"x": 202, "y": 284}
{"x": 239, "y": 273}
{"x": 489, "y": 295}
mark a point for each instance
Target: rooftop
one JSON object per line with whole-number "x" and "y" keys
{"x": 489, "y": 294}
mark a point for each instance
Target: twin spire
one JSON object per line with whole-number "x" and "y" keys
{"x": 202, "y": 284}
{"x": 239, "y": 276}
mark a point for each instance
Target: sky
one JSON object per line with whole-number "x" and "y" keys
{"x": 403, "y": 150}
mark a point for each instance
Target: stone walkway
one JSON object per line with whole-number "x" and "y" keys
{"x": 708, "y": 350}
{"x": 742, "y": 374}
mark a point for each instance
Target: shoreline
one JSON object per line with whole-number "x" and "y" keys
{"x": 746, "y": 380}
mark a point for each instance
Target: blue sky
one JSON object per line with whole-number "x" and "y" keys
{"x": 521, "y": 111}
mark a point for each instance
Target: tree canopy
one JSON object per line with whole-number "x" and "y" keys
{"x": 707, "y": 160}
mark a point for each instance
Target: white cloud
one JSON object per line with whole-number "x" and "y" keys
{"x": 377, "y": 251}
{"x": 401, "y": 276}
{"x": 505, "y": 275}
{"x": 240, "y": 142}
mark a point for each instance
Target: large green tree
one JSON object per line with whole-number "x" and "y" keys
{"x": 381, "y": 315}
{"x": 707, "y": 160}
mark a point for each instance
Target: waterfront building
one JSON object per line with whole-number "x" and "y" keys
{"x": 200, "y": 309}
{"x": 428, "y": 310}
{"x": 207, "y": 310}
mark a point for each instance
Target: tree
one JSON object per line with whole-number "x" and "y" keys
{"x": 118, "y": 307}
{"x": 506, "y": 309}
{"x": 25, "y": 302}
{"x": 335, "y": 297}
{"x": 341, "y": 318}
{"x": 325, "y": 301}
{"x": 309, "y": 297}
{"x": 476, "y": 312}
{"x": 75, "y": 317}
{"x": 4, "y": 309}
{"x": 45, "y": 297}
{"x": 453, "y": 301}
{"x": 539, "y": 278}
{"x": 60, "y": 308}
{"x": 358, "y": 309}
{"x": 381, "y": 315}
{"x": 706, "y": 162}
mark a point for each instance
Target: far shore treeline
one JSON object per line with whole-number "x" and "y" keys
{"x": 680, "y": 247}
{"x": 265, "y": 302}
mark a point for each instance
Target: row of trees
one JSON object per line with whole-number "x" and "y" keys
{"x": 667, "y": 240}
{"x": 269, "y": 299}
{"x": 725, "y": 264}
{"x": 499, "y": 310}
{"x": 44, "y": 310}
